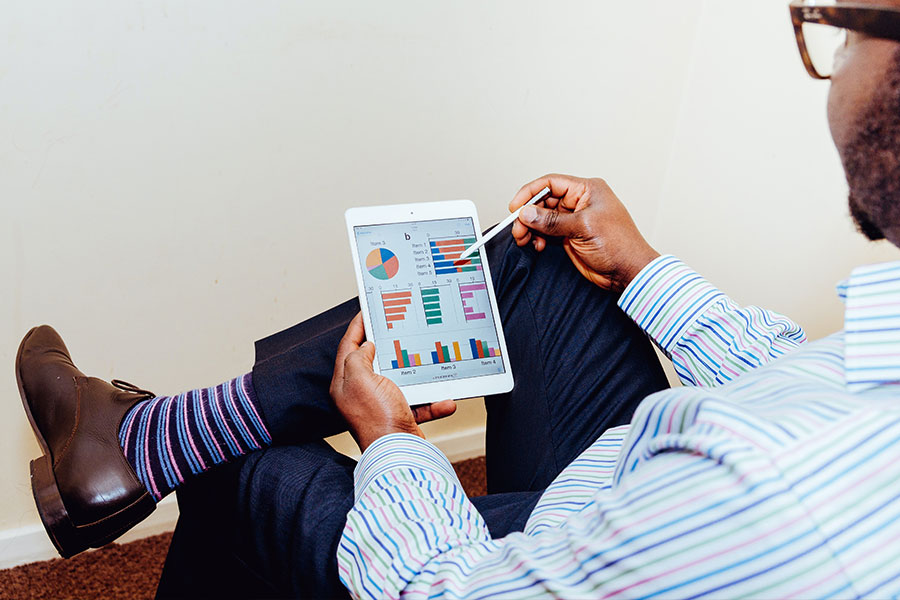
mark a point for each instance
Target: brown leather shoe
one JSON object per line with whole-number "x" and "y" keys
{"x": 86, "y": 492}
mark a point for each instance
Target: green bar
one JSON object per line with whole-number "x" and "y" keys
{"x": 431, "y": 292}
{"x": 406, "y": 362}
{"x": 432, "y": 305}
{"x": 435, "y": 321}
{"x": 468, "y": 240}
{"x": 446, "y": 353}
{"x": 464, "y": 269}
{"x": 433, "y": 313}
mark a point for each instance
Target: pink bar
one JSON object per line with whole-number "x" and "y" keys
{"x": 468, "y": 309}
{"x": 492, "y": 352}
{"x": 474, "y": 316}
{"x": 472, "y": 287}
{"x": 467, "y": 295}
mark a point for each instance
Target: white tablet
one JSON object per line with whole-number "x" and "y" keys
{"x": 433, "y": 318}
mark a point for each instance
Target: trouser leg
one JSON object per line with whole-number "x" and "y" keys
{"x": 269, "y": 525}
{"x": 580, "y": 364}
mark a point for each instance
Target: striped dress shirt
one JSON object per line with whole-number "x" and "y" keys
{"x": 773, "y": 472}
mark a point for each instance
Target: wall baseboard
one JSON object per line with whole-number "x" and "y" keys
{"x": 29, "y": 543}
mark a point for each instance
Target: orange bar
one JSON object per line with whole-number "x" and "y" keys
{"x": 450, "y": 249}
{"x": 440, "y": 351}
{"x": 397, "y": 302}
{"x": 456, "y": 350}
{"x": 390, "y": 295}
{"x": 399, "y": 353}
{"x": 394, "y": 317}
{"x": 390, "y": 310}
{"x": 417, "y": 360}
{"x": 458, "y": 242}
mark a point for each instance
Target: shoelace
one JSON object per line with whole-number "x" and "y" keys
{"x": 130, "y": 387}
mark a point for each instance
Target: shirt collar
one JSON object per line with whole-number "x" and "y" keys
{"x": 872, "y": 326}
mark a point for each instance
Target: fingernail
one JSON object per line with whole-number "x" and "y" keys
{"x": 528, "y": 213}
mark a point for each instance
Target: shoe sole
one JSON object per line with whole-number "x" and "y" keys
{"x": 68, "y": 538}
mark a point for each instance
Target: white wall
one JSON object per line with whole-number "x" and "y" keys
{"x": 173, "y": 175}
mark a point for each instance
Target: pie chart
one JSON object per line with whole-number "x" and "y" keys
{"x": 382, "y": 263}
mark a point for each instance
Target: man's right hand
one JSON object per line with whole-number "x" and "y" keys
{"x": 598, "y": 234}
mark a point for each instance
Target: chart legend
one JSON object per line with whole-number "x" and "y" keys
{"x": 445, "y": 255}
{"x": 396, "y": 305}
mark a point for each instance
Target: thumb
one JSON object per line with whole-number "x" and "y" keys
{"x": 368, "y": 351}
{"x": 550, "y": 222}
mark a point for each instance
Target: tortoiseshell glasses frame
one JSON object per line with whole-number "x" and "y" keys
{"x": 874, "y": 21}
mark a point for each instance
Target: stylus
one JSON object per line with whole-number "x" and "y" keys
{"x": 502, "y": 225}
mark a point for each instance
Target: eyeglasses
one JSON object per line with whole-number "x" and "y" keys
{"x": 821, "y": 28}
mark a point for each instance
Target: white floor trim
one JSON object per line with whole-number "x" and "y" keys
{"x": 30, "y": 543}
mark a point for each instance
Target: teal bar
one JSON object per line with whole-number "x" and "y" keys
{"x": 446, "y": 353}
{"x": 406, "y": 362}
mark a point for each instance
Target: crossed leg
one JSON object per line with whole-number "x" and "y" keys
{"x": 270, "y": 523}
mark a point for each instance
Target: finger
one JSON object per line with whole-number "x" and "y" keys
{"x": 551, "y": 222}
{"x": 349, "y": 343}
{"x": 539, "y": 244}
{"x": 359, "y": 362}
{"x": 430, "y": 412}
{"x": 560, "y": 186}
{"x": 520, "y": 233}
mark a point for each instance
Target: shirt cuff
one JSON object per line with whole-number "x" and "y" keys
{"x": 665, "y": 299}
{"x": 399, "y": 451}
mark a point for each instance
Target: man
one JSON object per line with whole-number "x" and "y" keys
{"x": 771, "y": 473}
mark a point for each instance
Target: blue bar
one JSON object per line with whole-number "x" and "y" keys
{"x": 474, "y": 347}
{"x": 394, "y": 364}
{"x": 447, "y": 263}
{"x": 442, "y": 271}
{"x": 434, "y": 358}
{"x": 434, "y": 244}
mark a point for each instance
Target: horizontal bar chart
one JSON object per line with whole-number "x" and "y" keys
{"x": 470, "y": 307}
{"x": 396, "y": 305}
{"x": 445, "y": 256}
{"x": 431, "y": 302}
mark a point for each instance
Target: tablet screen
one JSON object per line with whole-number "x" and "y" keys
{"x": 430, "y": 312}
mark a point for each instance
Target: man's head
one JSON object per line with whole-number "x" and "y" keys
{"x": 864, "y": 116}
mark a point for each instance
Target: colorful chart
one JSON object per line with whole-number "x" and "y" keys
{"x": 467, "y": 294}
{"x": 382, "y": 263}
{"x": 431, "y": 301}
{"x": 445, "y": 255}
{"x": 395, "y": 306}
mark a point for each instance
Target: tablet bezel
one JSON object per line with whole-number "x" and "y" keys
{"x": 424, "y": 393}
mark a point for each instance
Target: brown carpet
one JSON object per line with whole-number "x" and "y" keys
{"x": 131, "y": 571}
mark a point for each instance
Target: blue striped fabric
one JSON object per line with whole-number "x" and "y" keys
{"x": 767, "y": 475}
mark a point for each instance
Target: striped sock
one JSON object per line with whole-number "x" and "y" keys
{"x": 169, "y": 438}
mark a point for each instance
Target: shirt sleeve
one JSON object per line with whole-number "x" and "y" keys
{"x": 708, "y": 337}
{"x": 694, "y": 518}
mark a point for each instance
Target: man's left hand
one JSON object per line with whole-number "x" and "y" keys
{"x": 373, "y": 405}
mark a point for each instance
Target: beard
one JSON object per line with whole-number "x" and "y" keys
{"x": 872, "y": 162}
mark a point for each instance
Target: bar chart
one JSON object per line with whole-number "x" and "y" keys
{"x": 451, "y": 352}
{"x": 396, "y": 304}
{"x": 431, "y": 302}
{"x": 404, "y": 358}
{"x": 472, "y": 296}
{"x": 445, "y": 255}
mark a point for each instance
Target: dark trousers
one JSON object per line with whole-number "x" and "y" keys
{"x": 268, "y": 525}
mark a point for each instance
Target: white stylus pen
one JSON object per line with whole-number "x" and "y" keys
{"x": 502, "y": 225}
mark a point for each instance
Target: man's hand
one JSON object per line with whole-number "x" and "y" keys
{"x": 598, "y": 234}
{"x": 373, "y": 405}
